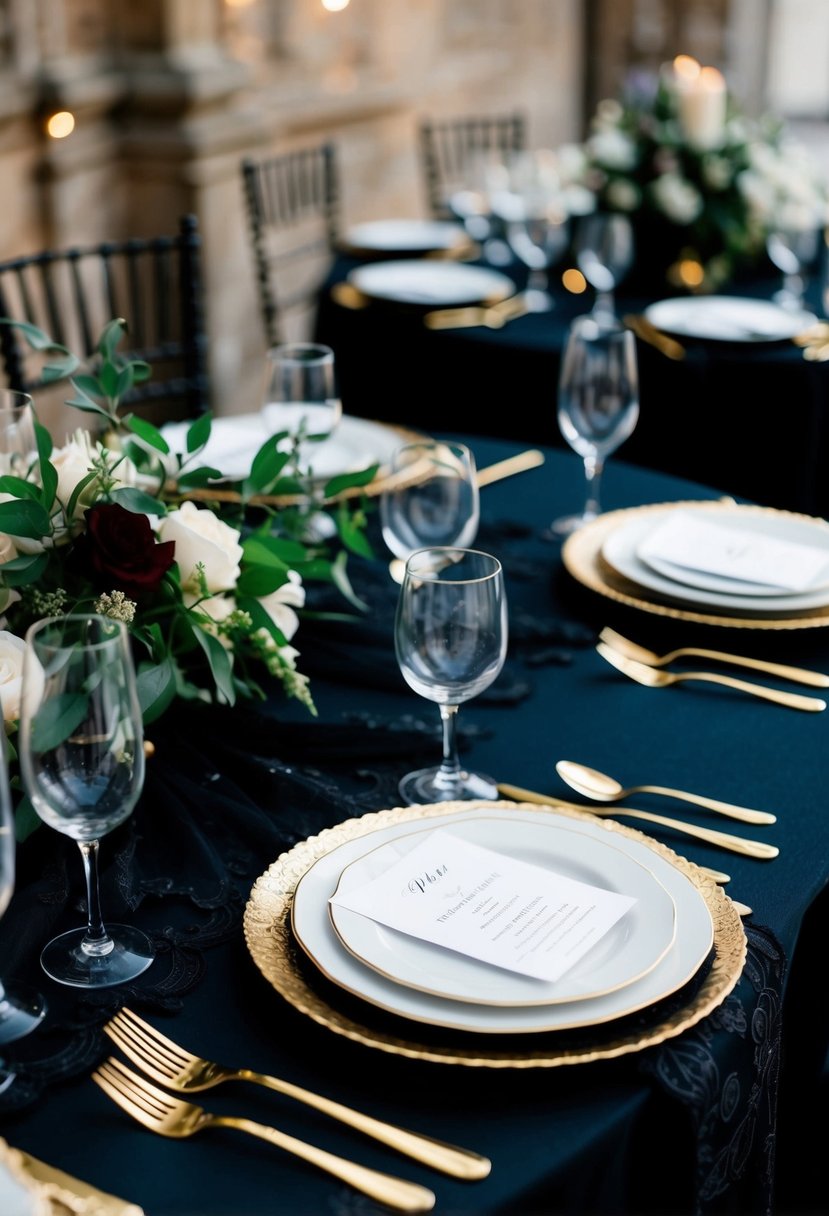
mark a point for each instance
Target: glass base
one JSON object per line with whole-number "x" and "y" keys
{"x": 21, "y": 1010}
{"x": 568, "y": 524}
{"x": 430, "y": 785}
{"x": 65, "y": 960}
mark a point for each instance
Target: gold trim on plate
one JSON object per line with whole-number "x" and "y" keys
{"x": 273, "y": 948}
{"x": 581, "y": 554}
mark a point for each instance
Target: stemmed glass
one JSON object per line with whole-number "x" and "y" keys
{"x": 598, "y": 402}
{"x": 300, "y": 397}
{"x": 431, "y": 499}
{"x": 792, "y": 250}
{"x": 82, "y": 762}
{"x": 17, "y": 432}
{"x": 604, "y": 254}
{"x": 531, "y": 207}
{"x": 21, "y": 1008}
{"x": 450, "y": 637}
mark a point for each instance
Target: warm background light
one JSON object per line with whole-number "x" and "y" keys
{"x": 686, "y": 67}
{"x": 59, "y": 125}
{"x": 335, "y": 6}
{"x": 574, "y": 281}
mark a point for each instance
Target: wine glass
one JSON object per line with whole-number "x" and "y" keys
{"x": 598, "y": 402}
{"x": 531, "y": 207}
{"x": 82, "y": 762}
{"x": 300, "y": 398}
{"x": 431, "y": 499}
{"x": 792, "y": 250}
{"x": 17, "y": 432}
{"x": 604, "y": 253}
{"x": 21, "y": 1008}
{"x": 450, "y": 638}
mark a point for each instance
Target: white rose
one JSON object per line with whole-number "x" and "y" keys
{"x": 201, "y": 537}
{"x": 677, "y": 198}
{"x": 12, "y": 650}
{"x": 280, "y": 604}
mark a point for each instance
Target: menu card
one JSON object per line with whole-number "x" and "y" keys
{"x": 494, "y": 908}
{"x": 715, "y": 548}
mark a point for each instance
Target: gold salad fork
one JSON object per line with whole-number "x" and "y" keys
{"x": 658, "y": 678}
{"x": 166, "y": 1062}
{"x": 631, "y": 650}
{"x": 173, "y": 1117}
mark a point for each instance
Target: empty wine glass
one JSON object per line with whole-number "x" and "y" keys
{"x": 604, "y": 253}
{"x": 793, "y": 250}
{"x": 17, "y": 432}
{"x": 82, "y": 761}
{"x": 300, "y": 398}
{"x": 530, "y": 204}
{"x": 21, "y": 1008}
{"x": 598, "y": 402}
{"x": 450, "y": 638}
{"x": 431, "y": 499}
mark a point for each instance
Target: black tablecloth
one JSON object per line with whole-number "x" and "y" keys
{"x": 690, "y": 1125}
{"x": 749, "y": 419}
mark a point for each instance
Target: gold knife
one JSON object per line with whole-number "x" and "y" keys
{"x": 647, "y": 331}
{"x": 493, "y": 316}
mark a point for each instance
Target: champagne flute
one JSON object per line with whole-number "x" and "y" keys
{"x": 17, "y": 432}
{"x": 300, "y": 397}
{"x": 531, "y": 206}
{"x": 21, "y": 1008}
{"x": 598, "y": 402}
{"x": 82, "y": 761}
{"x": 604, "y": 253}
{"x": 450, "y": 637}
{"x": 793, "y": 250}
{"x": 431, "y": 499}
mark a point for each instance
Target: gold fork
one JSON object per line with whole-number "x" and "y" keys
{"x": 816, "y": 679}
{"x": 657, "y": 678}
{"x": 165, "y": 1061}
{"x": 172, "y": 1117}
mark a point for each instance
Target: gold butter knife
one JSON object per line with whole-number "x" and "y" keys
{"x": 647, "y": 331}
{"x": 493, "y": 316}
{"x": 519, "y": 463}
{"x": 723, "y": 840}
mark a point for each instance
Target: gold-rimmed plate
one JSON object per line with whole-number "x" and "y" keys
{"x": 283, "y": 964}
{"x": 634, "y": 945}
{"x": 583, "y": 558}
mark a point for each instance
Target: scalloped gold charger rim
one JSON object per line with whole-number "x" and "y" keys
{"x": 271, "y": 946}
{"x": 581, "y": 554}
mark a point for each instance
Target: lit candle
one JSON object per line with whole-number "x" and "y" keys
{"x": 701, "y": 98}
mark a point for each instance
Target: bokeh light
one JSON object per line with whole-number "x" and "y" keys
{"x": 61, "y": 124}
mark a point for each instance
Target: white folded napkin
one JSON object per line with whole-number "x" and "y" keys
{"x": 712, "y": 546}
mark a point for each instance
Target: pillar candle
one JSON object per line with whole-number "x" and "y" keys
{"x": 701, "y": 102}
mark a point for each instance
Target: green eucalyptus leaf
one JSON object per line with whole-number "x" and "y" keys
{"x": 19, "y": 487}
{"x": 346, "y": 481}
{"x": 24, "y": 570}
{"x": 90, "y": 386}
{"x": 341, "y": 580}
{"x": 156, "y": 685}
{"x": 220, "y": 664}
{"x": 261, "y": 619}
{"x": 108, "y": 377}
{"x": 23, "y": 517}
{"x": 77, "y": 490}
{"x": 141, "y": 371}
{"x": 350, "y": 529}
{"x": 48, "y": 472}
{"x": 138, "y": 501}
{"x": 149, "y": 433}
{"x": 124, "y": 381}
{"x": 111, "y": 335}
{"x": 199, "y": 433}
{"x": 195, "y": 478}
{"x": 56, "y": 719}
{"x": 261, "y": 580}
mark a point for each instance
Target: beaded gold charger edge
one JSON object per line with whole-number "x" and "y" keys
{"x": 267, "y": 927}
{"x": 582, "y": 558}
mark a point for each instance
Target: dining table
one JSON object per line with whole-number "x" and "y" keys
{"x": 704, "y": 1104}
{"x": 747, "y": 416}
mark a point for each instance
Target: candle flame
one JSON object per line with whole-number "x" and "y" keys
{"x": 686, "y": 67}
{"x": 712, "y": 78}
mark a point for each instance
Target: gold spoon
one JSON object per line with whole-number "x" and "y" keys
{"x": 593, "y": 784}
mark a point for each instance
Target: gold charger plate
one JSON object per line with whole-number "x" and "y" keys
{"x": 582, "y": 558}
{"x": 274, "y": 950}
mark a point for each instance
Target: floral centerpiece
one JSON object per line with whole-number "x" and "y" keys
{"x": 115, "y": 522}
{"x": 703, "y": 184}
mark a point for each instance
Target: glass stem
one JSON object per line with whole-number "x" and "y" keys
{"x": 593, "y": 467}
{"x": 449, "y": 774}
{"x": 97, "y": 941}
{"x": 604, "y": 304}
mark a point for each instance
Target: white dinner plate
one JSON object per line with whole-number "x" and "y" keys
{"x": 728, "y": 318}
{"x": 235, "y": 439}
{"x": 620, "y": 551}
{"x": 315, "y": 933}
{"x": 628, "y": 951}
{"x": 430, "y": 283}
{"x": 406, "y": 236}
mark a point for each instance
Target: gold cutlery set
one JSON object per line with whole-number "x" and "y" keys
{"x": 493, "y": 316}
{"x": 179, "y": 1070}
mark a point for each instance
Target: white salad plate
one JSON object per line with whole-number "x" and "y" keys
{"x": 621, "y": 551}
{"x": 634, "y": 945}
{"x": 516, "y": 833}
{"x": 728, "y": 318}
{"x": 431, "y": 283}
{"x": 234, "y": 440}
{"x": 406, "y": 236}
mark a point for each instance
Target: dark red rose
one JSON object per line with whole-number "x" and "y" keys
{"x": 119, "y": 551}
